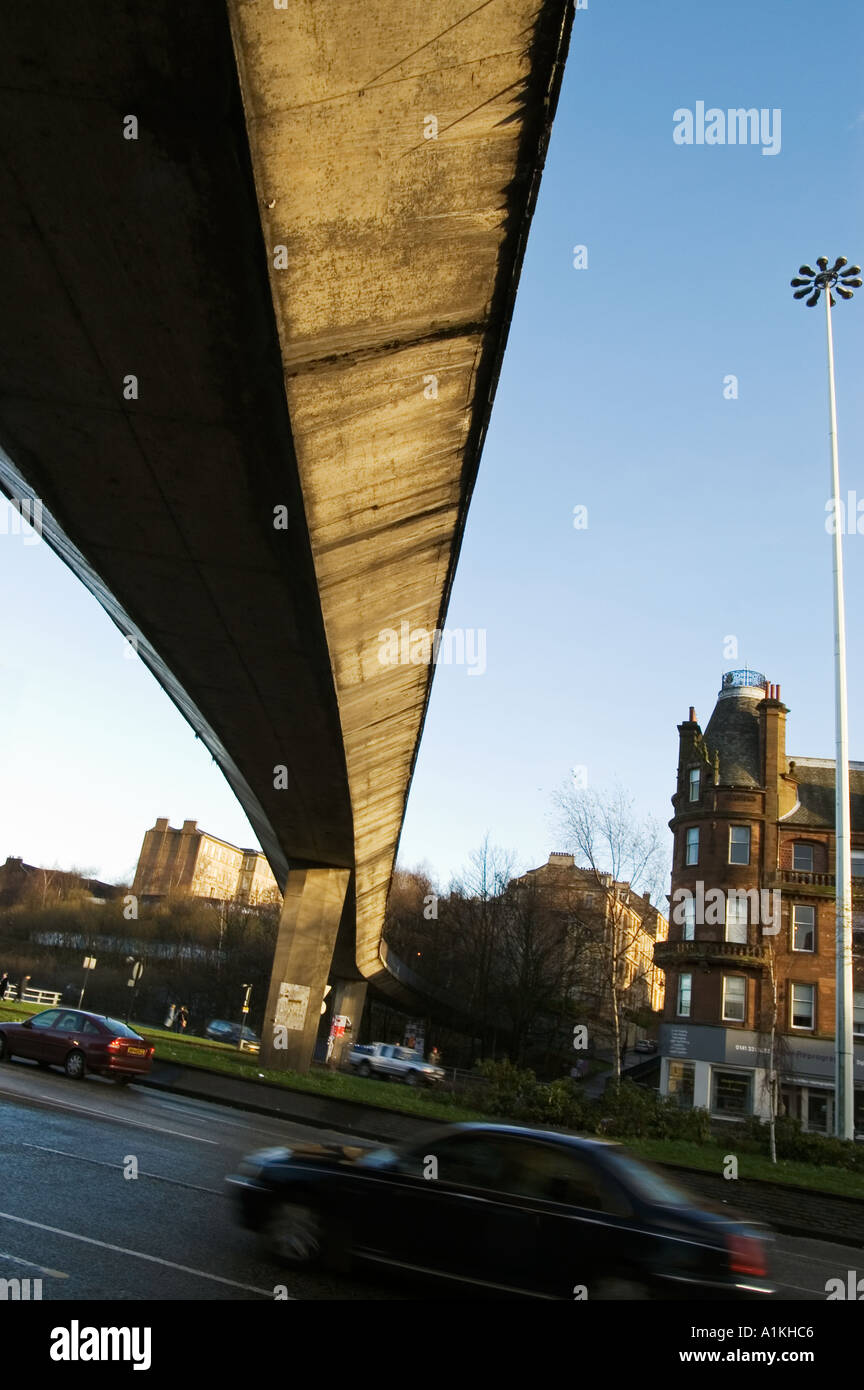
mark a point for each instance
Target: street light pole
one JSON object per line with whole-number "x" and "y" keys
{"x": 844, "y": 1121}
{"x": 843, "y": 280}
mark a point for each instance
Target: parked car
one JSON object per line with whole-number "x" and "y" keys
{"x": 645, "y": 1045}
{"x": 502, "y": 1209}
{"x": 222, "y": 1030}
{"x": 390, "y": 1062}
{"x": 78, "y": 1042}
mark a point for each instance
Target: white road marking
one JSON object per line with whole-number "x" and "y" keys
{"x": 16, "y": 1260}
{"x": 103, "y": 1163}
{"x": 819, "y": 1259}
{"x": 135, "y": 1254}
{"x": 108, "y": 1116}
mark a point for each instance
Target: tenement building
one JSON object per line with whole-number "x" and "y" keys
{"x": 625, "y": 927}
{"x": 191, "y": 862}
{"x": 750, "y": 957}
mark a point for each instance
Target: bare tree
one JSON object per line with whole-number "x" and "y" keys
{"x": 412, "y": 925}
{"x": 475, "y": 913}
{"x": 542, "y": 947}
{"x": 626, "y": 857}
{"x": 774, "y": 1041}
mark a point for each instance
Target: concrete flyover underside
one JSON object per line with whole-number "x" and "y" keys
{"x": 308, "y": 259}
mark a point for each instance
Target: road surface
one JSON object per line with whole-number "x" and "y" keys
{"x": 70, "y": 1215}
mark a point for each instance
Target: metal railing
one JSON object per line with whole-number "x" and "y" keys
{"x": 743, "y": 676}
{"x": 48, "y": 997}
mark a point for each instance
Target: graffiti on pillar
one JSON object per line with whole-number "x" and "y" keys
{"x": 291, "y": 1006}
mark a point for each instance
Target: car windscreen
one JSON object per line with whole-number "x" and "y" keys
{"x": 647, "y": 1182}
{"x": 121, "y": 1030}
{"x": 378, "y": 1158}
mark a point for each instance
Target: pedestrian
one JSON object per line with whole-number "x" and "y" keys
{"x": 4, "y": 984}
{"x": 435, "y": 1057}
{"x": 182, "y": 1019}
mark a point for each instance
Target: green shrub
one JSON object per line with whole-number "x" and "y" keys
{"x": 794, "y": 1144}
{"x": 625, "y": 1111}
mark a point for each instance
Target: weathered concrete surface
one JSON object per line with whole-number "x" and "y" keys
{"x": 150, "y": 257}
{"x": 349, "y": 998}
{"x": 393, "y": 261}
{"x": 308, "y": 926}
{"x": 144, "y": 257}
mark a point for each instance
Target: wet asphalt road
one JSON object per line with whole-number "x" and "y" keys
{"x": 70, "y": 1217}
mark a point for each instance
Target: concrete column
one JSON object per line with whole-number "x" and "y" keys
{"x": 349, "y": 997}
{"x": 311, "y": 911}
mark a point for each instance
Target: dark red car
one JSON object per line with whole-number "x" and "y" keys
{"x": 78, "y": 1042}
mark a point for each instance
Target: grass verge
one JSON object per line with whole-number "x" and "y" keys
{"x": 709, "y": 1158}
{"x": 440, "y": 1105}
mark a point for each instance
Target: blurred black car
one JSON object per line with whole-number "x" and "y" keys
{"x": 645, "y": 1045}
{"x": 502, "y": 1209}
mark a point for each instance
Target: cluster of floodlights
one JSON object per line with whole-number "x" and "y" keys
{"x": 843, "y": 281}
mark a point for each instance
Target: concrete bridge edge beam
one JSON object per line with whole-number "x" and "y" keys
{"x": 308, "y": 927}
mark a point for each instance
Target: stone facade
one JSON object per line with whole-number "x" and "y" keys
{"x": 752, "y": 915}
{"x": 637, "y": 925}
{"x": 192, "y": 862}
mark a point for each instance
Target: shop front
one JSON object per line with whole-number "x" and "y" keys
{"x": 726, "y": 1071}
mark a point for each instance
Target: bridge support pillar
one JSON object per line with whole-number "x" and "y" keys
{"x": 311, "y": 910}
{"x": 349, "y": 997}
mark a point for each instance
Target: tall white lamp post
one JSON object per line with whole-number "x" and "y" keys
{"x": 816, "y": 282}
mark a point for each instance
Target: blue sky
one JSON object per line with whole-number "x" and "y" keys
{"x": 706, "y": 516}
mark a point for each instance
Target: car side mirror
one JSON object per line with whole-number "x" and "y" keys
{"x": 27, "y": 1023}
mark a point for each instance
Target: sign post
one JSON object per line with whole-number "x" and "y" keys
{"x": 243, "y": 1015}
{"x": 89, "y": 964}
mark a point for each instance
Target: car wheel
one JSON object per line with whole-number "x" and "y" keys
{"x": 75, "y": 1065}
{"x": 613, "y": 1290}
{"x": 364, "y": 1069}
{"x": 412, "y": 1079}
{"x": 294, "y": 1233}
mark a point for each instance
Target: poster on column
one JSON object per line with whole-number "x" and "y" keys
{"x": 292, "y": 1005}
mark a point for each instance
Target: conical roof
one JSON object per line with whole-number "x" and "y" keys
{"x": 733, "y": 729}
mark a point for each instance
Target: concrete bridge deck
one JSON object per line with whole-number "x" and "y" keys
{"x": 257, "y": 268}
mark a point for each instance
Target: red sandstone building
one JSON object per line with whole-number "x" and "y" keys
{"x": 751, "y": 921}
